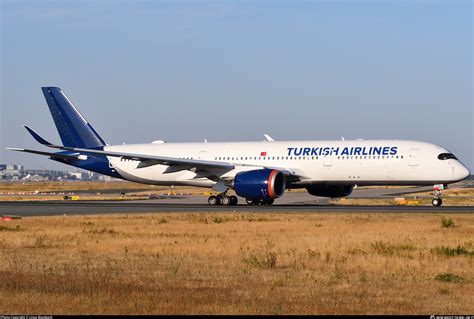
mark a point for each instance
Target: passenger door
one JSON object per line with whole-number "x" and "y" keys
{"x": 327, "y": 161}
{"x": 203, "y": 155}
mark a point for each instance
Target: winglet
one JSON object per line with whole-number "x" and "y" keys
{"x": 36, "y": 136}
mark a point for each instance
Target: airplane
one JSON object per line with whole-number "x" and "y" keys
{"x": 260, "y": 171}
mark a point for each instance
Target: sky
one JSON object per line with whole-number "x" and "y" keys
{"x": 182, "y": 71}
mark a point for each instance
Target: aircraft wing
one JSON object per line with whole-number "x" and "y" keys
{"x": 144, "y": 160}
{"x": 150, "y": 160}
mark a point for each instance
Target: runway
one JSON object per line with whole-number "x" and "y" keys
{"x": 25, "y": 209}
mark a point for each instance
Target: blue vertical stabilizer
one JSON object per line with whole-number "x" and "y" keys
{"x": 73, "y": 128}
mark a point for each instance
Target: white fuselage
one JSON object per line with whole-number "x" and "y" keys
{"x": 361, "y": 162}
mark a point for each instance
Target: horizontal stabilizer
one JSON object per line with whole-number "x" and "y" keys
{"x": 52, "y": 155}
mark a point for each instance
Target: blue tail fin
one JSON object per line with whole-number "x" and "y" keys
{"x": 73, "y": 128}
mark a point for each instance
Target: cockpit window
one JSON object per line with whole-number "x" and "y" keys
{"x": 446, "y": 156}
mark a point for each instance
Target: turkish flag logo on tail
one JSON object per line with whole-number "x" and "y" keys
{"x": 263, "y": 153}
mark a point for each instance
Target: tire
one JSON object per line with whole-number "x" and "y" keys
{"x": 226, "y": 201}
{"x": 249, "y": 201}
{"x": 234, "y": 200}
{"x": 437, "y": 202}
{"x": 212, "y": 200}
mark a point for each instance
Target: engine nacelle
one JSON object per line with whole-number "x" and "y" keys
{"x": 330, "y": 190}
{"x": 260, "y": 184}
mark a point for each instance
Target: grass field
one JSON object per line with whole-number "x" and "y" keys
{"x": 238, "y": 263}
{"x": 96, "y": 190}
{"x": 456, "y": 197}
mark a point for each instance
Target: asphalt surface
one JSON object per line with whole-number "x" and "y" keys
{"x": 154, "y": 206}
{"x": 291, "y": 202}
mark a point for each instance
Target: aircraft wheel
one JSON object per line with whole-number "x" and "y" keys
{"x": 212, "y": 200}
{"x": 249, "y": 201}
{"x": 436, "y": 202}
{"x": 226, "y": 201}
{"x": 234, "y": 200}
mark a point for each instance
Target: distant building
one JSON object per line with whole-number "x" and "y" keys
{"x": 79, "y": 175}
{"x": 18, "y": 172}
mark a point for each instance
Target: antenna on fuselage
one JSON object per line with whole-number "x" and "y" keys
{"x": 268, "y": 138}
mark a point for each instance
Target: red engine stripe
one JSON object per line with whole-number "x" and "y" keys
{"x": 269, "y": 184}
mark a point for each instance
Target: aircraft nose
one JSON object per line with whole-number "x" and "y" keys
{"x": 464, "y": 172}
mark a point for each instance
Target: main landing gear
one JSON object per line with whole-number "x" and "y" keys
{"x": 223, "y": 199}
{"x": 437, "y": 201}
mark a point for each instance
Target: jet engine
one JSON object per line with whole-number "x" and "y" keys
{"x": 330, "y": 190}
{"x": 261, "y": 184}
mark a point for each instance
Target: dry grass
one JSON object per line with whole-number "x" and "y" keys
{"x": 95, "y": 190}
{"x": 237, "y": 263}
{"x": 451, "y": 192}
{"x": 451, "y": 197}
{"x": 451, "y": 201}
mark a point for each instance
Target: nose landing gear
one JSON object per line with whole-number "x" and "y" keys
{"x": 437, "y": 201}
